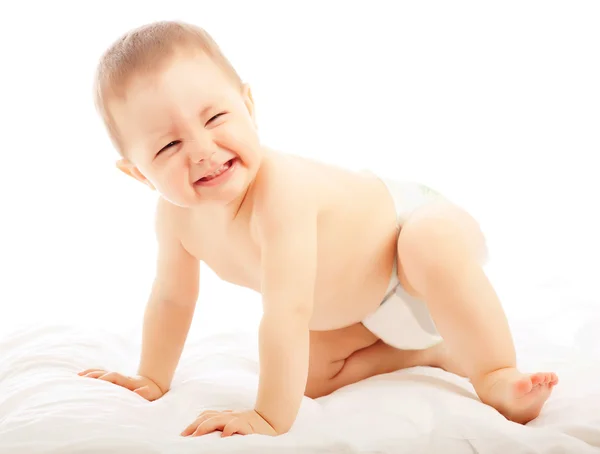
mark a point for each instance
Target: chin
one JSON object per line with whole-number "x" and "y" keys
{"x": 223, "y": 197}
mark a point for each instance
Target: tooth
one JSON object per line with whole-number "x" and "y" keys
{"x": 216, "y": 172}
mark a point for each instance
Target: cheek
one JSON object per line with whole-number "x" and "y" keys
{"x": 239, "y": 137}
{"x": 173, "y": 176}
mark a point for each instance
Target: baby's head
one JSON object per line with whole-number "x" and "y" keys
{"x": 179, "y": 114}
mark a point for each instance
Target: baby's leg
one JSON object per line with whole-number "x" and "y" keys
{"x": 327, "y": 374}
{"x": 439, "y": 252}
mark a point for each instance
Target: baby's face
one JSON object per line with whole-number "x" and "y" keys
{"x": 190, "y": 132}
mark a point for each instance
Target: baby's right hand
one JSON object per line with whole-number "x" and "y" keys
{"x": 142, "y": 386}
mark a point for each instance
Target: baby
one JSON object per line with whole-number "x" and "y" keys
{"x": 359, "y": 275}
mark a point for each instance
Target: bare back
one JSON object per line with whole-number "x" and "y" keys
{"x": 356, "y": 241}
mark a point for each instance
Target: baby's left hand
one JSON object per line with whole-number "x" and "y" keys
{"x": 229, "y": 422}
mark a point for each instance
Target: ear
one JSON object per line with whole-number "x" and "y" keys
{"x": 129, "y": 169}
{"x": 249, "y": 101}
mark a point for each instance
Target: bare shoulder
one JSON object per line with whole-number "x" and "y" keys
{"x": 169, "y": 221}
{"x": 283, "y": 193}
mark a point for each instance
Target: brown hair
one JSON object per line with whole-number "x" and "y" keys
{"x": 144, "y": 50}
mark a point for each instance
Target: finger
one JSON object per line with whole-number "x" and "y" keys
{"x": 96, "y": 374}
{"x": 118, "y": 379}
{"x": 209, "y": 414}
{"x": 87, "y": 371}
{"x": 237, "y": 426}
{"x": 189, "y": 430}
{"x": 214, "y": 412}
{"x": 205, "y": 416}
{"x": 212, "y": 424}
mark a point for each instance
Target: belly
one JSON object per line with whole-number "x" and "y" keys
{"x": 355, "y": 264}
{"x": 345, "y": 294}
{"x": 347, "y": 289}
{"x": 350, "y": 304}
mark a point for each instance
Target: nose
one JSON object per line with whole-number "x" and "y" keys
{"x": 200, "y": 149}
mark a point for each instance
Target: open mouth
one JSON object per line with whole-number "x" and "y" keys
{"x": 218, "y": 174}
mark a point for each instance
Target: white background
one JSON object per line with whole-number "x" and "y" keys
{"x": 496, "y": 104}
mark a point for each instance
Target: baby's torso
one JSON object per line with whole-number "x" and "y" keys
{"x": 356, "y": 245}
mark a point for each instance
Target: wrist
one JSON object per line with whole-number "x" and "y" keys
{"x": 267, "y": 420}
{"x": 283, "y": 373}
{"x": 162, "y": 385}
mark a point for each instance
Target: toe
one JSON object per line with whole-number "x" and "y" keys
{"x": 537, "y": 379}
{"x": 523, "y": 385}
{"x": 548, "y": 378}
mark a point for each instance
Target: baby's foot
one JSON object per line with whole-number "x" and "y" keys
{"x": 518, "y": 396}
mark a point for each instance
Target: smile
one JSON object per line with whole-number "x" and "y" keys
{"x": 219, "y": 175}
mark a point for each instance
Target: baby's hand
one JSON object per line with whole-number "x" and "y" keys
{"x": 142, "y": 386}
{"x": 229, "y": 423}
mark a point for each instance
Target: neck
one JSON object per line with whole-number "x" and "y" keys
{"x": 244, "y": 203}
{"x": 241, "y": 204}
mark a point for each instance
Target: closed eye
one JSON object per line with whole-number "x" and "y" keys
{"x": 216, "y": 116}
{"x": 169, "y": 145}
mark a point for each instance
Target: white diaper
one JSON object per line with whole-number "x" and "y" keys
{"x": 401, "y": 320}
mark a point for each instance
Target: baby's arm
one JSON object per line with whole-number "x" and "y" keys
{"x": 288, "y": 235}
{"x": 168, "y": 314}
{"x": 171, "y": 305}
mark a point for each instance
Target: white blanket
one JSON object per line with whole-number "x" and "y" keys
{"x": 45, "y": 407}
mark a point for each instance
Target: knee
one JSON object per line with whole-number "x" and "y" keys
{"x": 437, "y": 240}
{"x": 439, "y": 231}
{"x": 318, "y": 386}
{"x": 314, "y": 390}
